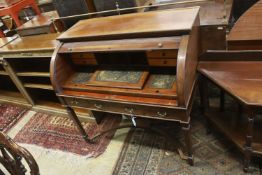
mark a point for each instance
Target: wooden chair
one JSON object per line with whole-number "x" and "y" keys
{"x": 12, "y": 155}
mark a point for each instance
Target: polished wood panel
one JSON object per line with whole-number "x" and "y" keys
{"x": 241, "y": 82}
{"x": 168, "y": 22}
{"x": 246, "y": 33}
{"x": 32, "y": 43}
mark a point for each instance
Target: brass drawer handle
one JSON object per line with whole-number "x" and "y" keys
{"x": 159, "y": 114}
{"x": 129, "y": 110}
{"x": 98, "y": 106}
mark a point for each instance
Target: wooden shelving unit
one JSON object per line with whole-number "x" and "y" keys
{"x": 33, "y": 74}
{"x": 27, "y": 62}
{"x": 235, "y": 128}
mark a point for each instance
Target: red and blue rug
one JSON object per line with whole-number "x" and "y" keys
{"x": 60, "y": 133}
{"x": 10, "y": 115}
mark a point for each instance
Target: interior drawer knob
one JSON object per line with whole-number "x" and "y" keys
{"x": 74, "y": 102}
{"x": 129, "y": 110}
{"x": 161, "y": 114}
{"x": 98, "y": 106}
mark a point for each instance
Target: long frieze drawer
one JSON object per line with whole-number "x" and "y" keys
{"x": 128, "y": 109}
{"x": 166, "y": 43}
{"x": 168, "y": 54}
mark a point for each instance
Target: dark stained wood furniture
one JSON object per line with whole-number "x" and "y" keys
{"x": 239, "y": 74}
{"x": 215, "y": 19}
{"x": 42, "y": 24}
{"x": 12, "y": 156}
{"x": 138, "y": 65}
{"x": 25, "y": 74}
{"x": 246, "y": 33}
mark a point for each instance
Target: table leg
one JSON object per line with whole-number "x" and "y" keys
{"x": 188, "y": 141}
{"x": 73, "y": 116}
{"x": 222, "y": 100}
{"x": 204, "y": 100}
{"x": 15, "y": 17}
{"x": 203, "y": 91}
{"x": 35, "y": 8}
{"x": 249, "y": 139}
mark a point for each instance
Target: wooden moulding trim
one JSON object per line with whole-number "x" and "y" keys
{"x": 181, "y": 67}
{"x": 232, "y": 55}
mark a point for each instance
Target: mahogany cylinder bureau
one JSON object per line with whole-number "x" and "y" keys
{"x": 138, "y": 65}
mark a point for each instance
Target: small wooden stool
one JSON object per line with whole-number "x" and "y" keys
{"x": 14, "y": 10}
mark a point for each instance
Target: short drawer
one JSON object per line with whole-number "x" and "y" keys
{"x": 128, "y": 109}
{"x": 168, "y": 54}
{"x": 162, "y": 62}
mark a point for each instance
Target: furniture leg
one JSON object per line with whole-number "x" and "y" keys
{"x": 99, "y": 116}
{"x": 204, "y": 100}
{"x": 249, "y": 139}
{"x": 71, "y": 113}
{"x": 188, "y": 141}
{"x": 222, "y": 100}
{"x": 36, "y": 9}
{"x": 239, "y": 110}
{"x": 203, "y": 91}
{"x": 15, "y": 17}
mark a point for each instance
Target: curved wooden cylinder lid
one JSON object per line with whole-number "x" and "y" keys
{"x": 247, "y": 32}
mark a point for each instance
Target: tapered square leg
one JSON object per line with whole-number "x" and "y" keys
{"x": 188, "y": 141}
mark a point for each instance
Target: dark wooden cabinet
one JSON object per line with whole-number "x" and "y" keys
{"x": 139, "y": 65}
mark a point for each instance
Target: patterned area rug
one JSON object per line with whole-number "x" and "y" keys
{"x": 147, "y": 153}
{"x": 10, "y": 115}
{"x": 60, "y": 133}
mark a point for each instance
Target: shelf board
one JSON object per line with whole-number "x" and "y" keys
{"x": 2, "y": 72}
{"x": 38, "y": 86}
{"x": 235, "y": 128}
{"x": 13, "y": 97}
{"x": 33, "y": 74}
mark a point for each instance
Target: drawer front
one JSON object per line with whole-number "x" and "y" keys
{"x": 84, "y": 59}
{"x": 162, "y": 54}
{"x": 162, "y": 62}
{"x": 128, "y": 109}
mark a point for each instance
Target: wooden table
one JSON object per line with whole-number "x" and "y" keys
{"x": 42, "y": 24}
{"x": 14, "y": 10}
{"x": 239, "y": 74}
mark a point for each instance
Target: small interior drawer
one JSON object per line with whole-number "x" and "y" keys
{"x": 84, "y": 59}
{"x": 126, "y": 109}
{"x": 168, "y": 54}
{"x": 162, "y": 62}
